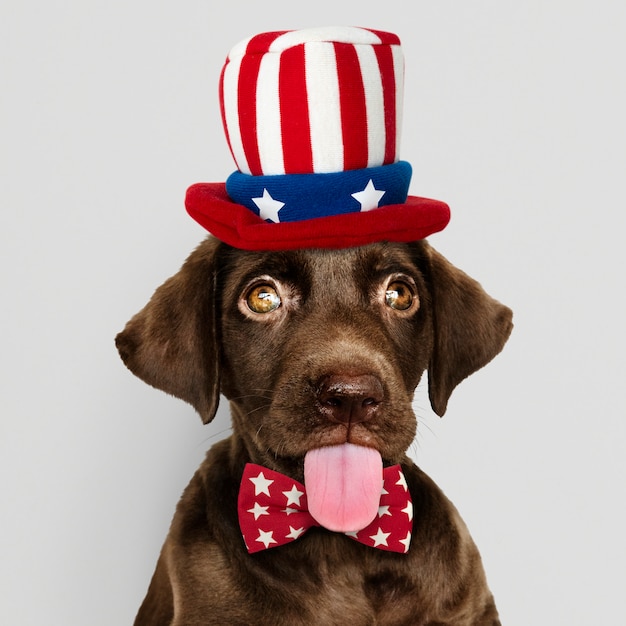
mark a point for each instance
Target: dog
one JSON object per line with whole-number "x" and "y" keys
{"x": 315, "y": 349}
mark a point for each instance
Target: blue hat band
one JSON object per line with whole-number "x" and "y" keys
{"x": 297, "y": 197}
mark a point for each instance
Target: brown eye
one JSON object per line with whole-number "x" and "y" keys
{"x": 263, "y": 299}
{"x": 398, "y": 296}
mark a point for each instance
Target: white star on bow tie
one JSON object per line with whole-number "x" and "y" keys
{"x": 261, "y": 484}
{"x": 268, "y": 207}
{"x": 266, "y": 538}
{"x": 402, "y": 481}
{"x": 380, "y": 538}
{"x": 295, "y": 532}
{"x": 293, "y": 496}
{"x": 258, "y": 510}
{"x": 406, "y": 541}
{"x": 369, "y": 197}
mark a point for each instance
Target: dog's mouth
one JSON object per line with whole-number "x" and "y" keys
{"x": 344, "y": 485}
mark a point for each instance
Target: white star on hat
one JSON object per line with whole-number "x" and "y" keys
{"x": 266, "y": 538}
{"x": 261, "y": 484}
{"x": 268, "y": 207}
{"x": 369, "y": 197}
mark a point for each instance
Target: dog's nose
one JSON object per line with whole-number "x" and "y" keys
{"x": 350, "y": 399}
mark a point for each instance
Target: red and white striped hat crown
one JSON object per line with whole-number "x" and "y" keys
{"x": 313, "y": 101}
{"x": 312, "y": 118}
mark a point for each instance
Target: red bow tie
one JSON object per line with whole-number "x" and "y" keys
{"x": 273, "y": 511}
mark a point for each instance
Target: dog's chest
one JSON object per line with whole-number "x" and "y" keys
{"x": 331, "y": 585}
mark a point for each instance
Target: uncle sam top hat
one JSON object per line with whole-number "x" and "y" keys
{"x": 312, "y": 118}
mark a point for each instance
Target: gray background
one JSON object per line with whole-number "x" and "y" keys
{"x": 514, "y": 115}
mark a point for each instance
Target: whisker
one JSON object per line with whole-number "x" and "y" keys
{"x": 424, "y": 424}
{"x": 252, "y": 395}
{"x": 259, "y": 408}
{"x": 212, "y": 436}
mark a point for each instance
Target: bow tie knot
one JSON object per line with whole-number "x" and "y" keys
{"x": 273, "y": 511}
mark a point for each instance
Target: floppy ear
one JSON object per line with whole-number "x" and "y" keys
{"x": 470, "y": 329}
{"x": 171, "y": 343}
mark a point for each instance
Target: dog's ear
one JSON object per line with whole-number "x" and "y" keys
{"x": 171, "y": 343}
{"x": 470, "y": 328}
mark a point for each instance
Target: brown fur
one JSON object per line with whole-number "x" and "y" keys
{"x": 195, "y": 338}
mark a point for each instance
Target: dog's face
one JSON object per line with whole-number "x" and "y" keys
{"x": 325, "y": 347}
{"x": 315, "y": 347}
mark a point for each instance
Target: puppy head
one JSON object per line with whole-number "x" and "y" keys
{"x": 292, "y": 335}
{"x": 324, "y": 347}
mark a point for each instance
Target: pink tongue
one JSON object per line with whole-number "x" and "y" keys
{"x": 343, "y": 486}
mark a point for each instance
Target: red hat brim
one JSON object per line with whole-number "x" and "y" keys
{"x": 238, "y": 226}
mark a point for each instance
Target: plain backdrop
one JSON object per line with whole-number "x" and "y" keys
{"x": 514, "y": 115}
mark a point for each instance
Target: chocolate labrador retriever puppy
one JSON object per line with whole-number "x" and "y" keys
{"x": 316, "y": 350}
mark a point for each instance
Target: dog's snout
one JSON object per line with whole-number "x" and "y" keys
{"x": 349, "y": 399}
